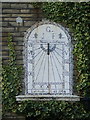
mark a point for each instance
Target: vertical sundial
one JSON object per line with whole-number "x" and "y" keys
{"x": 48, "y": 62}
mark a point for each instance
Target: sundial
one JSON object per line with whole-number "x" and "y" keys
{"x": 48, "y": 62}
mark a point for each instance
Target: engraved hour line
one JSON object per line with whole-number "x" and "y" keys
{"x": 62, "y": 43}
{"x": 44, "y": 68}
{"x": 59, "y": 61}
{"x": 63, "y": 68}
{"x": 33, "y": 68}
{"x": 57, "y": 58}
{"x": 66, "y": 72}
{"x": 38, "y": 53}
{"x": 61, "y": 50}
{"x": 38, "y": 60}
{"x": 48, "y": 74}
{"x": 40, "y": 67}
{"x": 58, "y": 53}
{"x": 37, "y": 49}
{"x": 53, "y": 70}
{"x": 56, "y": 67}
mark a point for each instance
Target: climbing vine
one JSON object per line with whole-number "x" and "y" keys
{"x": 76, "y": 17}
{"x": 11, "y": 80}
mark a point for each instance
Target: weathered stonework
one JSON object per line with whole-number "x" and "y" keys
{"x": 18, "y": 5}
{"x": 29, "y": 15}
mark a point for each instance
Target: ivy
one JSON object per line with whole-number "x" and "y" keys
{"x": 76, "y": 17}
{"x": 11, "y": 80}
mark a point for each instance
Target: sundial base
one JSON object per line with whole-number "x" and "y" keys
{"x": 48, "y": 97}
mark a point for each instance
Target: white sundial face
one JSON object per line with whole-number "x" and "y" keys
{"x": 48, "y": 60}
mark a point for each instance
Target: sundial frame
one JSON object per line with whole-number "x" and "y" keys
{"x": 44, "y": 36}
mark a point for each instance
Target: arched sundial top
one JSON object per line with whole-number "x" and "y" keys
{"x": 39, "y": 26}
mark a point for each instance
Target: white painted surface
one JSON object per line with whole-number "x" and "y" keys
{"x": 48, "y": 74}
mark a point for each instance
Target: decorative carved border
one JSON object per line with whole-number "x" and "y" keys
{"x": 27, "y": 34}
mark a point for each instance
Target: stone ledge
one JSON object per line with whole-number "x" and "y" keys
{"x": 13, "y": 118}
{"x": 48, "y": 97}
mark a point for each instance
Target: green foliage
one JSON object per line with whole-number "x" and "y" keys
{"x": 11, "y": 80}
{"x": 53, "y": 110}
{"x": 76, "y": 17}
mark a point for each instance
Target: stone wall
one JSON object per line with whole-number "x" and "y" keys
{"x": 29, "y": 15}
{"x": 10, "y": 11}
{"x": 0, "y": 62}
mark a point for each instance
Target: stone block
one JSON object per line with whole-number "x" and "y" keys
{"x": 0, "y": 113}
{"x": 28, "y": 23}
{"x": 22, "y": 15}
{"x": 30, "y": 6}
{"x": 17, "y": 34}
{"x": 10, "y": 11}
{"x": 13, "y": 23}
{"x": 6, "y": 5}
{"x": 23, "y": 29}
{"x": 6, "y": 15}
{"x": 4, "y": 57}
{"x": 35, "y": 11}
{"x": 5, "y": 29}
{"x": 0, "y": 29}
{"x": 19, "y": 62}
{"x": 4, "y": 24}
{"x": 4, "y": 47}
{"x": 0, "y": 15}
{"x": 19, "y": 57}
{"x": 13, "y": 117}
{"x": 4, "y": 43}
{"x": 18, "y": 39}
{"x": 0, "y": 45}
{"x": 4, "y": 53}
{"x": 18, "y": 6}
{"x": 19, "y": 47}
{"x": 25, "y": 11}
{"x": 0, "y": 19}
{"x": 18, "y": 52}
{"x": 27, "y": 19}
{"x": 20, "y": 43}
{"x": 0, "y": 25}
{"x": 4, "y": 38}
{"x": 9, "y": 19}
